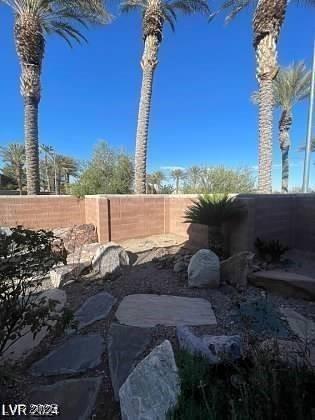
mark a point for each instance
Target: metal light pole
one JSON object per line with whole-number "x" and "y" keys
{"x": 307, "y": 159}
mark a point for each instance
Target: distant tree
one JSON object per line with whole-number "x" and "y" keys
{"x": 167, "y": 189}
{"x": 109, "y": 172}
{"x": 177, "y": 175}
{"x": 218, "y": 180}
{"x": 65, "y": 167}
{"x": 155, "y": 181}
{"x": 291, "y": 85}
{"x": 155, "y": 13}
{"x": 14, "y": 156}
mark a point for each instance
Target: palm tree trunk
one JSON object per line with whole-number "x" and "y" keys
{"x": 265, "y": 136}
{"x": 267, "y": 22}
{"x": 148, "y": 63}
{"x": 31, "y": 144}
{"x": 285, "y": 143}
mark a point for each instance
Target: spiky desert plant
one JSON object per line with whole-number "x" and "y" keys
{"x": 155, "y": 13}
{"x": 267, "y": 22}
{"x": 14, "y": 155}
{"x": 291, "y": 85}
{"x": 34, "y": 20}
{"x": 177, "y": 175}
{"x": 213, "y": 211}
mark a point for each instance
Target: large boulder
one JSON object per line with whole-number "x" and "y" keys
{"x": 152, "y": 388}
{"x": 76, "y": 236}
{"x": 213, "y": 348}
{"x": 284, "y": 283}
{"x": 109, "y": 258}
{"x": 204, "y": 269}
{"x": 234, "y": 270}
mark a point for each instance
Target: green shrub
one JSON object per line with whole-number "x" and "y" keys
{"x": 26, "y": 257}
{"x": 213, "y": 211}
{"x": 259, "y": 387}
{"x": 270, "y": 251}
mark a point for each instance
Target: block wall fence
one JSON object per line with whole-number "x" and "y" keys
{"x": 289, "y": 218}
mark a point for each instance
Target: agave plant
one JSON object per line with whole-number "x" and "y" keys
{"x": 34, "y": 20}
{"x": 213, "y": 211}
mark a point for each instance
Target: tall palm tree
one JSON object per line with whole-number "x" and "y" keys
{"x": 291, "y": 85}
{"x": 48, "y": 157}
{"x": 65, "y": 167}
{"x": 34, "y": 20}
{"x": 267, "y": 22}
{"x": 177, "y": 175}
{"x": 155, "y": 13}
{"x": 14, "y": 155}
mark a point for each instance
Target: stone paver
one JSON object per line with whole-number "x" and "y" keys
{"x": 302, "y": 327}
{"x": 94, "y": 309}
{"x": 153, "y": 387}
{"x": 77, "y": 354}
{"x": 27, "y": 343}
{"x": 75, "y": 397}
{"x": 125, "y": 345}
{"x": 285, "y": 283}
{"x": 143, "y": 310}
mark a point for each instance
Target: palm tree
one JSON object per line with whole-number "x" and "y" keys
{"x": 155, "y": 180}
{"x": 14, "y": 155}
{"x": 65, "y": 167}
{"x": 177, "y": 175}
{"x": 291, "y": 85}
{"x": 34, "y": 20}
{"x": 48, "y": 156}
{"x": 155, "y": 13}
{"x": 267, "y": 22}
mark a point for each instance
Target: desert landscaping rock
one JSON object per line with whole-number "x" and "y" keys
{"x": 213, "y": 348}
{"x": 193, "y": 344}
{"x": 94, "y": 309}
{"x": 59, "y": 276}
{"x": 143, "y": 310}
{"x": 125, "y": 346}
{"x": 77, "y": 354}
{"x": 75, "y": 397}
{"x": 76, "y": 236}
{"x": 234, "y": 270}
{"x": 27, "y": 343}
{"x": 109, "y": 258}
{"x": 285, "y": 283}
{"x": 179, "y": 267}
{"x": 302, "y": 327}
{"x": 153, "y": 387}
{"x": 204, "y": 270}
{"x": 83, "y": 254}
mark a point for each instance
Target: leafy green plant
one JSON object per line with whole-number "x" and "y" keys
{"x": 213, "y": 211}
{"x": 26, "y": 257}
{"x": 270, "y": 251}
{"x": 258, "y": 387}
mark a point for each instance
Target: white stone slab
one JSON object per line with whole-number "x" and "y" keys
{"x": 150, "y": 310}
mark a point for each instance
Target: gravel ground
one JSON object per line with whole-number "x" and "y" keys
{"x": 155, "y": 277}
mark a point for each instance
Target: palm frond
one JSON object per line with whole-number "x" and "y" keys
{"x": 190, "y": 6}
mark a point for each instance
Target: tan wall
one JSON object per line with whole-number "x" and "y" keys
{"x": 46, "y": 212}
{"x": 289, "y": 218}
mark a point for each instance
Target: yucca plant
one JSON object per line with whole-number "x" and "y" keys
{"x": 34, "y": 20}
{"x": 214, "y": 211}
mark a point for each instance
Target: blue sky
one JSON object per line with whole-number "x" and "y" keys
{"x": 201, "y": 111}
